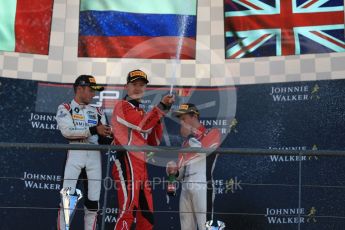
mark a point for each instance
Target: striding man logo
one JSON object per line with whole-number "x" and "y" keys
{"x": 232, "y": 185}
{"x": 311, "y": 156}
{"x": 233, "y": 125}
{"x": 311, "y": 215}
{"x": 315, "y": 92}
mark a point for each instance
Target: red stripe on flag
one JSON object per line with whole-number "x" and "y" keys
{"x": 135, "y": 47}
{"x": 276, "y": 21}
{"x": 310, "y": 3}
{"x": 329, "y": 39}
{"x": 251, "y": 4}
{"x": 248, "y": 47}
{"x": 32, "y": 26}
{"x": 287, "y": 33}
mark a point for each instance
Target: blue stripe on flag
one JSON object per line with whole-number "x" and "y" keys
{"x": 113, "y": 23}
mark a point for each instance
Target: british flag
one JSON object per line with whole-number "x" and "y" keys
{"x": 257, "y": 28}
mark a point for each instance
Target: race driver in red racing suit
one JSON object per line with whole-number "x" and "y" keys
{"x": 132, "y": 126}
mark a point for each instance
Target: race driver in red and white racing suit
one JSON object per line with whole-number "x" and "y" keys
{"x": 133, "y": 126}
{"x": 191, "y": 167}
{"x": 82, "y": 123}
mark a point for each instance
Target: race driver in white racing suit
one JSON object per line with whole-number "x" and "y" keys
{"x": 80, "y": 123}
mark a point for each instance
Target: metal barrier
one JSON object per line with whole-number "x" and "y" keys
{"x": 169, "y": 150}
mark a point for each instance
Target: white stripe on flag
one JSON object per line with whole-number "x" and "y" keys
{"x": 181, "y": 7}
{"x": 7, "y": 24}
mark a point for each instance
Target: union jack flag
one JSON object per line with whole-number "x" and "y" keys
{"x": 257, "y": 28}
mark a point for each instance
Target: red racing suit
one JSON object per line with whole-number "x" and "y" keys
{"x": 132, "y": 126}
{"x": 192, "y": 170}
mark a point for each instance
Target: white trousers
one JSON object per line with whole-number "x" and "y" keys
{"x": 76, "y": 161}
{"x": 193, "y": 206}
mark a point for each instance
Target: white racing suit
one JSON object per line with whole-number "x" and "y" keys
{"x": 192, "y": 170}
{"x": 77, "y": 123}
{"x": 193, "y": 199}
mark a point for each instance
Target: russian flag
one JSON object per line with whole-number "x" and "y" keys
{"x": 137, "y": 29}
{"x": 25, "y": 25}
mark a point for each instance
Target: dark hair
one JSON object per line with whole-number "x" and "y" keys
{"x": 75, "y": 88}
{"x": 197, "y": 115}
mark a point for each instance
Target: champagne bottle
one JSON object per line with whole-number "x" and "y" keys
{"x": 171, "y": 188}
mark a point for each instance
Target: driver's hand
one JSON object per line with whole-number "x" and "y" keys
{"x": 171, "y": 168}
{"x": 104, "y": 130}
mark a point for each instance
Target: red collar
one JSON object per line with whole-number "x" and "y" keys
{"x": 200, "y": 132}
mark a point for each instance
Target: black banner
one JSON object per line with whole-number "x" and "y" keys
{"x": 267, "y": 192}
